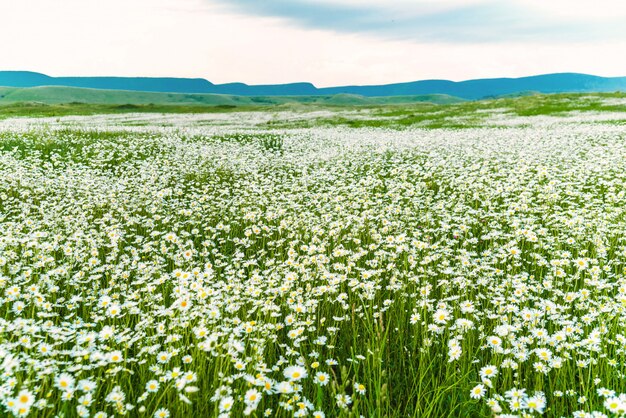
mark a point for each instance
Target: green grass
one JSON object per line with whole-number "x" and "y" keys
{"x": 430, "y": 112}
{"x": 83, "y": 109}
{"x": 359, "y": 242}
{"x": 59, "y": 95}
{"x": 470, "y": 114}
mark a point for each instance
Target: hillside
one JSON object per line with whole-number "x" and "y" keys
{"x": 57, "y": 94}
{"x": 468, "y": 90}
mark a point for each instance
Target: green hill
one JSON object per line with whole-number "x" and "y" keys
{"x": 468, "y": 89}
{"x": 59, "y": 95}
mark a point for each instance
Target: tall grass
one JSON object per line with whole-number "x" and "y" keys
{"x": 198, "y": 271}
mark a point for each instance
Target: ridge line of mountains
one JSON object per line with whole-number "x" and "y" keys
{"x": 468, "y": 90}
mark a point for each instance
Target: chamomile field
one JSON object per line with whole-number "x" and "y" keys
{"x": 464, "y": 260}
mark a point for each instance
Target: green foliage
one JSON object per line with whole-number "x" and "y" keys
{"x": 316, "y": 249}
{"x": 272, "y": 142}
{"x": 126, "y": 100}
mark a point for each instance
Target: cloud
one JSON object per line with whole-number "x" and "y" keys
{"x": 200, "y": 38}
{"x": 449, "y": 20}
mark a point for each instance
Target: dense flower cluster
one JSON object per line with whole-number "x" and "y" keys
{"x": 163, "y": 270}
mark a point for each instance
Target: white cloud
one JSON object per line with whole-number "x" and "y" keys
{"x": 408, "y": 6}
{"x": 193, "y": 38}
{"x": 577, "y": 10}
{"x": 563, "y": 9}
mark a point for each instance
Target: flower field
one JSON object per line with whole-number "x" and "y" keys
{"x": 199, "y": 266}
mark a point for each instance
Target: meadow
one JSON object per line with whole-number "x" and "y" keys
{"x": 462, "y": 260}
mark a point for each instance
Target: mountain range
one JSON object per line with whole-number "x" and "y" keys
{"x": 469, "y": 90}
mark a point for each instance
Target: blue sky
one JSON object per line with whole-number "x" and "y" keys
{"x": 327, "y": 42}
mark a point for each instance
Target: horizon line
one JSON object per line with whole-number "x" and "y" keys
{"x": 309, "y": 82}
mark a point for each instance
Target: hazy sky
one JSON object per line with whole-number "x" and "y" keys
{"x": 327, "y": 42}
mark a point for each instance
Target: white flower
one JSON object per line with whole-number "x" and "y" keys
{"x": 152, "y": 386}
{"x": 226, "y": 403}
{"x": 24, "y": 399}
{"x": 359, "y": 388}
{"x": 615, "y": 405}
{"x": 252, "y": 397}
{"x": 322, "y": 378}
{"x": 162, "y": 413}
{"x": 295, "y": 373}
{"x": 116, "y": 357}
{"x": 284, "y": 388}
{"x": 535, "y": 403}
{"x": 488, "y": 372}
{"x": 65, "y": 382}
{"x": 478, "y": 392}
{"x": 343, "y": 400}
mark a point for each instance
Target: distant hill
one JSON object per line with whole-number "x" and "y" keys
{"x": 60, "y": 94}
{"x": 468, "y": 90}
{"x": 174, "y": 85}
{"x": 494, "y": 87}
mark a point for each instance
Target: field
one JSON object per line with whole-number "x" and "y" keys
{"x": 463, "y": 260}
{"x": 75, "y": 97}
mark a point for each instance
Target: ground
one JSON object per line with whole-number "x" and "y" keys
{"x": 427, "y": 261}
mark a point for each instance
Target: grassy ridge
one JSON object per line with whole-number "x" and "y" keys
{"x": 472, "y": 114}
{"x": 388, "y": 112}
{"x": 80, "y": 99}
{"x": 58, "y": 95}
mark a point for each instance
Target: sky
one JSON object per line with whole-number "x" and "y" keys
{"x": 326, "y": 42}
